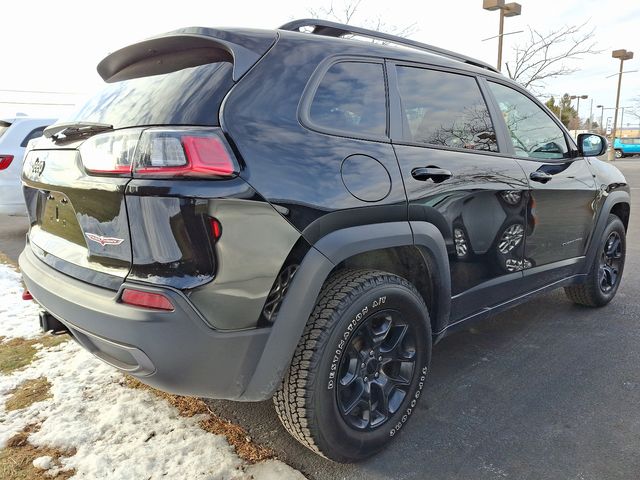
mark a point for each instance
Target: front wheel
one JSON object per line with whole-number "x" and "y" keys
{"x": 605, "y": 275}
{"x": 360, "y": 366}
{"x": 619, "y": 154}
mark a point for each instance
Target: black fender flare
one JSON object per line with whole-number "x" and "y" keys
{"x": 311, "y": 275}
{"x": 612, "y": 199}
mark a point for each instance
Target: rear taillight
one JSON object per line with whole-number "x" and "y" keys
{"x": 160, "y": 152}
{"x": 5, "y": 161}
{"x": 110, "y": 153}
{"x": 187, "y": 152}
{"x": 144, "y": 299}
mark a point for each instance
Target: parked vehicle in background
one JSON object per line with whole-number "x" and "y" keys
{"x": 15, "y": 134}
{"x": 626, "y": 146}
{"x": 247, "y": 214}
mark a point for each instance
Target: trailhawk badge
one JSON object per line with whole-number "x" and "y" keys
{"x": 104, "y": 240}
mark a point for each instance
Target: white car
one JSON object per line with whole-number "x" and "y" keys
{"x": 15, "y": 133}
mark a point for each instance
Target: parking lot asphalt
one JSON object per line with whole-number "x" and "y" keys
{"x": 547, "y": 390}
{"x": 12, "y": 235}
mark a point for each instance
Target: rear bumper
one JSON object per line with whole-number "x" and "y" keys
{"x": 172, "y": 351}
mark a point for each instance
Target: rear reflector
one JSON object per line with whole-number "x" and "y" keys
{"x": 146, "y": 299}
{"x": 216, "y": 228}
{"x": 5, "y": 161}
{"x": 26, "y": 295}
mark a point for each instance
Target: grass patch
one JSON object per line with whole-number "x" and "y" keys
{"x": 16, "y": 459}
{"x": 28, "y": 393}
{"x": 19, "y": 352}
{"x": 7, "y": 261}
{"x": 237, "y": 436}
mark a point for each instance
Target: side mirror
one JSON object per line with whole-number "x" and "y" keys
{"x": 591, "y": 145}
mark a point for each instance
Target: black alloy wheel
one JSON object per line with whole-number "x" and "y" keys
{"x": 610, "y": 262}
{"x": 600, "y": 285}
{"x": 376, "y": 370}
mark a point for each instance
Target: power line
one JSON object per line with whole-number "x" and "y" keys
{"x": 39, "y": 91}
{"x": 39, "y": 103}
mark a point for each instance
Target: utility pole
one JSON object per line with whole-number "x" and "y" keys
{"x": 623, "y": 55}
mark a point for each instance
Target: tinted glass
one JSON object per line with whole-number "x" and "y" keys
{"x": 191, "y": 96}
{"x": 35, "y": 133}
{"x": 533, "y": 133}
{"x": 351, "y": 98}
{"x": 4, "y": 127}
{"x": 444, "y": 109}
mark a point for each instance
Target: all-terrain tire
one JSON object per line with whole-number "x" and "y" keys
{"x": 350, "y": 307}
{"x": 591, "y": 293}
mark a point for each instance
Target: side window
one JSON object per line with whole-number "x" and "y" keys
{"x": 351, "y": 98}
{"x": 533, "y": 133}
{"x": 35, "y": 133}
{"x": 445, "y": 109}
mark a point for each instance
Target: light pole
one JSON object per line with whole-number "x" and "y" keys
{"x": 512, "y": 9}
{"x": 623, "y": 55}
{"x": 572, "y": 97}
{"x": 601, "y": 107}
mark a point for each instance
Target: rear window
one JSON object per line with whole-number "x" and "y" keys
{"x": 351, "y": 98}
{"x": 35, "y": 133}
{"x": 191, "y": 96}
{"x": 4, "y": 126}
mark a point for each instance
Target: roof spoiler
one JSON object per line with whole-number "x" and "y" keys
{"x": 188, "y": 47}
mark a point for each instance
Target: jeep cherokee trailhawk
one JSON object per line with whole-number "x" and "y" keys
{"x": 246, "y": 214}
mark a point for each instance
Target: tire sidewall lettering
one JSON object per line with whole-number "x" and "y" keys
{"x": 375, "y": 304}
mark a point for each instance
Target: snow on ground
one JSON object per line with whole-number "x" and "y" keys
{"x": 18, "y": 318}
{"x": 117, "y": 432}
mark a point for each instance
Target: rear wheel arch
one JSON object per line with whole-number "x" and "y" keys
{"x": 408, "y": 262}
{"x": 374, "y": 246}
{"x": 351, "y": 246}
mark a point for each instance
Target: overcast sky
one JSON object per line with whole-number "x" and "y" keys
{"x": 55, "y": 46}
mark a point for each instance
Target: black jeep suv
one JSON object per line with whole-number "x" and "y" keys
{"x": 244, "y": 214}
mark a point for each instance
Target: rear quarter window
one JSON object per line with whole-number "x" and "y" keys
{"x": 351, "y": 99}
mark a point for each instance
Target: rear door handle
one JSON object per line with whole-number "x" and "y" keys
{"x": 434, "y": 173}
{"x": 541, "y": 177}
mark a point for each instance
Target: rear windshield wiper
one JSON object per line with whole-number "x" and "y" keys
{"x": 75, "y": 130}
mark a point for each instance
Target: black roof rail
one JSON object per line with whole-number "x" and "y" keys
{"x": 334, "y": 29}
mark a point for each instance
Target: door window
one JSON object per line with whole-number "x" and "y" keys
{"x": 533, "y": 133}
{"x": 444, "y": 109}
{"x": 351, "y": 98}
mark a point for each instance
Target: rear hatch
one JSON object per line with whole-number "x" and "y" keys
{"x": 101, "y": 188}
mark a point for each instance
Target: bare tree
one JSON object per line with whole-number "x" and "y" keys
{"x": 347, "y": 12}
{"x": 549, "y": 55}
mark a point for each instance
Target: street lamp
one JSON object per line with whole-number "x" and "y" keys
{"x": 573, "y": 97}
{"x": 601, "y": 107}
{"x": 623, "y": 55}
{"x": 512, "y": 9}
